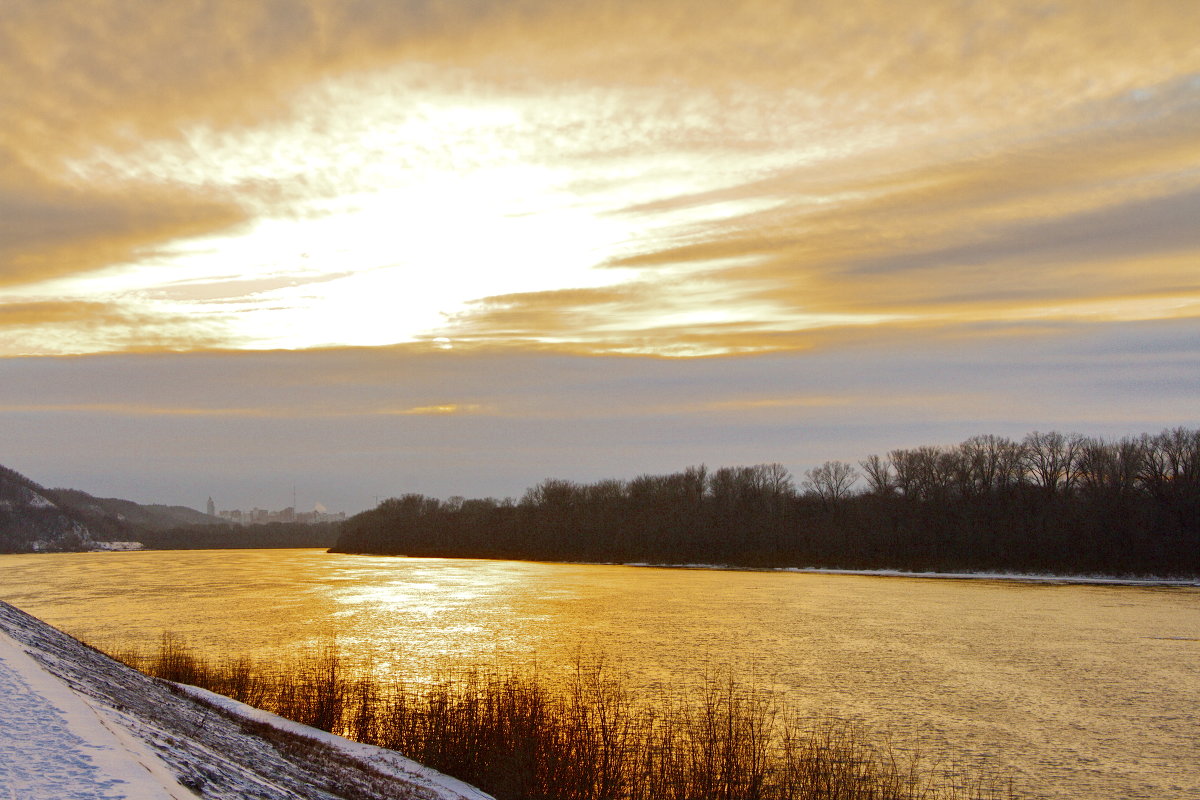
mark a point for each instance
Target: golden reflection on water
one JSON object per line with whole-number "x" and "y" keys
{"x": 1080, "y": 691}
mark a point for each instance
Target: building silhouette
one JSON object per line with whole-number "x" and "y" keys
{"x": 261, "y": 516}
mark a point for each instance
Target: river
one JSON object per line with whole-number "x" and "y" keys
{"x": 1087, "y": 692}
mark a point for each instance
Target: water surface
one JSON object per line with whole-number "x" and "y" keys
{"x": 1083, "y": 692}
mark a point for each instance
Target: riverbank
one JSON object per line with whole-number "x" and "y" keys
{"x": 1098, "y": 580}
{"x": 78, "y": 724}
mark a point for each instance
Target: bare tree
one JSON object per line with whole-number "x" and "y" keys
{"x": 777, "y": 480}
{"x": 923, "y": 472}
{"x": 553, "y": 492}
{"x": 831, "y": 481}
{"x": 904, "y": 471}
{"x": 878, "y": 472}
{"x": 1052, "y": 460}
{"x": 1171, "y": 461}
{"x": 1109, "y": 467}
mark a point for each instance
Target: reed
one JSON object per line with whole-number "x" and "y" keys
{"x": 584, "y": 736}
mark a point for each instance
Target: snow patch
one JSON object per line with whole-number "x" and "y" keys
{"x": 117, "y": 546}
{"x": 35, "y": 500}
{"x": 56, "y": 744}
{"x": 1103, "y": 580}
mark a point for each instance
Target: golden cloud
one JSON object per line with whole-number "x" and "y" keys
{"x": 71, "y": 233}
{"x": 904, "y": 163}
{"x": 114, "y": 74}
{"x": 54, "y": 328}
{"x": 441, "y": 409}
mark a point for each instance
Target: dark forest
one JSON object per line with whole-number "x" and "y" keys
{"x": 1049, "y": 503}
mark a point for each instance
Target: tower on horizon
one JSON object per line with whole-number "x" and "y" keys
{"x": 212, "y": 508}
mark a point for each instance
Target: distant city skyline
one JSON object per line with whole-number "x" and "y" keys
{"x": 262, "y": 516}
{"x": 319, "y": 513}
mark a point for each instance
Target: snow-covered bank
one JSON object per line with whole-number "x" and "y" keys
{"x": 1099, "y": 580}
{"x": 76, "y": 725}
{"x": 55, "y": 744}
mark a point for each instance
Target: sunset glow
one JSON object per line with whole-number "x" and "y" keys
{"x": 443, "y": 185}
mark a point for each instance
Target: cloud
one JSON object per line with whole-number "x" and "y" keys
{"x": 1088, "y": 216}
{"x": 846, "y": 373}
{"x": 177, "y": 427}
{"x": 141, "y": 410}
{"x": 753, "y": 172}
{"x": 114, "y": 74}
{"x": 81, "y": 78}
{"x": 55, "y": 327}
{"x": 880, "y": 224}
{"x": 48, "y": 231}
{"x": 1146, "y": 229}
{"x": 95, "y": 410}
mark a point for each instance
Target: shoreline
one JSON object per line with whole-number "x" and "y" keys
{"x": 1015, "y": 577}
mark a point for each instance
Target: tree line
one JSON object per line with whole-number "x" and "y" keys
{"x": 240, "y": 537}
{"x": 1050, "y": 502}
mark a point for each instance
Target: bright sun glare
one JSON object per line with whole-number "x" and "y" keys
{"x": 388, "y": 226}
{"x": 382, "y": 208}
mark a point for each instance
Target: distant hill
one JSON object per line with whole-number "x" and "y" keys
{"x": 34, "y": 518}
{"x": 31, "y": 519}
{"x": 113, "y": 516}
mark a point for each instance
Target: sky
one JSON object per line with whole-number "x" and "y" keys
{"x": 349, "y": 250}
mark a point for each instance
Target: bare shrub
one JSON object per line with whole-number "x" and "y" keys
{"x": 522, "y": 736}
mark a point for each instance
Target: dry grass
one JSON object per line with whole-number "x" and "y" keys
{"x": 586, "y": 737}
